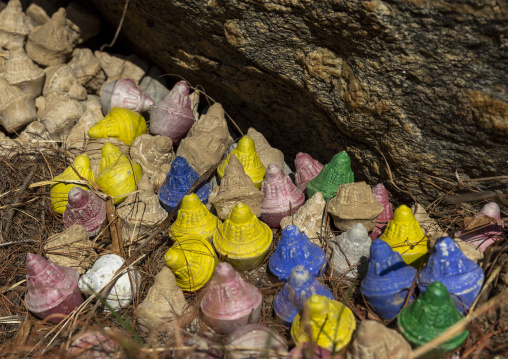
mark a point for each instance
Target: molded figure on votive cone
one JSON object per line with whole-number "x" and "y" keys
{"x": 125, "y": 94}
{"x": 462, "y": 277}
{"x": 379, "y": 191}
{"x": 230, "y": 302}
{"x": 404, "y": 234}
{"x": 119, "y": 123}
{"x": 179, "y": 179}
{"x": 300, "y": 286}
{"x": 60, "y": 191}
{"x": 20, "y": 71}
{"x": 213, "y": 118}
{"x": 307, "y": 168}
{"x": 118, "y": 175}
{"x": 354, "y": 203}
{"x": 86, "y": 209}
{"x": 336, "y": 172}
{"x": 258, "y": 340}
{"x": 281, "y": 196}
{"x": 151, "y": 152}
{"x": 386, "y": 285}
{"x": 295, "y": 248}
{"x": 172, "y": 116}
{"x": 331, "y": 323}
{"x": 245, "y": 151}
{"x": 355, "y": 244}
{"x": 194, "y": 218}
{"x": 430, "y": 315}
{"x": 193, "y": 261}
{"x": 51, "y": 289}
{"x": 235, "y": 187}
{"x": 60, "y": 78}
{"x": 485, "y": 228}
{"x": 243, "y": 238}
{"x": 101, "y": 273}
{"x": 267, "y": 154}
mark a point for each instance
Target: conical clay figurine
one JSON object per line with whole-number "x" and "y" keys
{"x": 117, "y": 174}
{"x": 17, "y": 109}
{"x": 61, "y": 114}
{"x": 235, "y": 187}
{"x": 87, "y": 69}
{"x": 172, "y": 116}
{"x": 51, "y": 289}
{"x": 307, "y": 168}
{"x": 379, "y": 191}
{"x": 60, "y": 191}
{"x": 354, "y": 203}
{"x": 180, "y": 178}
{"x": 86, "y": 209}
{"x": 485, "y": 228}
{"x": 331, "y": 324}
{"x": 243, "y": 238}
{"x": 404, "y": 234}
{"x": 335, "y": 173}
{"x": 246, "y": 153}
{"x": 213, "y": 118}
{"x": 375, "y": 341}
{"x": 101, "y": 273}
{"x": 256, "y": 341}
{"x": 386, "y": 285}
{"x": 141, "y": 212}
{"x": 193, "y": 261}
{"x": 124, "y": 94}
{"x": 281, "y": 196}
{"x": 13, "y": 26}
{"x": 462, "y": 277}
{"x": 267, "y": 154}
{"x": 60, "y": 78}
{"x": 194, "y": 218}
{"x": 204, "y": 150}
{"x": 20, "y": 71}
{"x": 299, "y": 287}
{"x": 230, "y": 302}
{"x": 430, "y": 315}
{"x": 50, "y": 44}
{"x": 355, "y": 245}
{"x": 162, "y": 305}
{"x": 308, "y": 218}
{"x": 294, "y": 248}
{"x": 120, "y": 123}
{"x": 151, "y": 152}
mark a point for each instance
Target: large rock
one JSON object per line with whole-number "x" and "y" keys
{"x": 426, "y": 81}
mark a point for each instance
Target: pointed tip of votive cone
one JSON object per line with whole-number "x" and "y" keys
{"x": 358, "y": 233}
{"x": 403, "y": 214}
{"x": 182, "y": 87}
{"x": 273, "y": 172}
{"x": 191, "y": 201}
{"x": 380, "y": 250}
{"x": 82, "y": 161}
{"x": 224, "y": 272}
{"x": 436, "y": 294}
{"x": 163, "y": 144}
{"x": 109, "y": 148}
{"x": 35, "y": 264}
{"x": 179, "y": 166}
{"x": 246, "y": 145}
{"x": 78, "y": 197}
{"x": 299, "y": 276}
{"x": 241, "y": 213}
{"x": 491, "y": 209}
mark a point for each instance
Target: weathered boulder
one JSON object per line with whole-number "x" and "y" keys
{"x": 425, "y": 81}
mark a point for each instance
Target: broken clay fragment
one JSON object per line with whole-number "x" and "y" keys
{"x": 331, "y": 324}
{"x": 86, "y": 209}
{"x": 178, "y": 181}
{"x": 300, "y": 286}
{"x": 151, "y": 152}
{"x": 87, "y": 69}
{"x": 172, "y": 116}
{"x": 462, "y": 277}
{"x": 61, "y": 114}
{"x": 60, "y": 78}
{"x": 194, "y": 218}
{"x": 281, "y": 196}
{"x": 119, "y": 123}
{"x": 230, "y": 302}
{"x": 255, "y": 341}
{"x": 60, "y": 191}
{"x": 213, "y": 118}
{"x": 51, "y": 289}
{"x": 353, "y": 252}
{"x": 235, "y": 187}
{"x": 192, "y": 260}
{"x": 102, "y": 272}
{"x": 307, "y": 168}
{"x": 379, "y": 191}
{"x": 335, "y": 173}
{"x": 117, "y": 174}
{"x": 354, "y": 203}
{"x": 267, "y": 154}
{"x": 294, "y": 248}
{"x": 95, "y": 344}
{"x": 163, "y": 304}
{"x": 243, "y": 238}
{"x": 246, "y": 153}
{"x": 404, "y": 234}
{"x": 386, "y": 285}
{"x": 17, "y": 109}
{"x": 125, "y": 94}
{"x": 431, "y": 314}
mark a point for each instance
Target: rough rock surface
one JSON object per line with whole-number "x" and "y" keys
{"x": 426, "y": 81}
